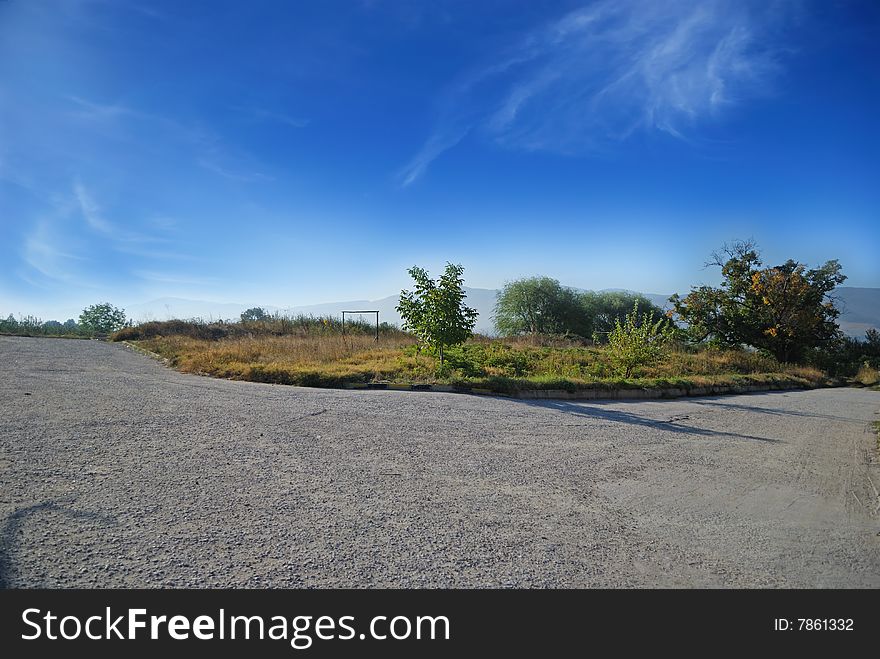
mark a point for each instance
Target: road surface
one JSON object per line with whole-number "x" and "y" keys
{"x": 118, "y": 472}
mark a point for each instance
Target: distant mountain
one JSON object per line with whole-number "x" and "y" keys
{"x": 860, "y": 308}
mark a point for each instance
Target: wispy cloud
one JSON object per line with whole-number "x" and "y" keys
{"x": 96, "y": 220}
{"x": 262, "y": 114}
{"x": 436, "y": 144}
{"x": 12, "y": 175}
{"x": 603, "y": 72}
{"x": 174, "y": 278}
{"x": 49, "y": 258}
{"x": 208, "y": 150}
{"x": 90, "y": 210}
{"x": 71, "y": 243}
{"x": 212, "y": 165}
{"x": 92, "y": 111}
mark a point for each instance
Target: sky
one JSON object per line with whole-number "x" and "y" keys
{"x": 288, "y": 154}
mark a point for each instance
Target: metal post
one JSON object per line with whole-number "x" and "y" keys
{"x": 375, "y": 311}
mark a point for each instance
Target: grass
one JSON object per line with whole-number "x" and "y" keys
{"x": 867, "y": 376}
{"x": 318, "y": 355}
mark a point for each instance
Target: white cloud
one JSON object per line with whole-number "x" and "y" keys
{"x": 262, "y": 114}
{"x": 120, "y": 238}
{"x": 174, "y": 278}
{"x": 51, "y": 255}
{"x": 90, "y": 210}
{"x": 208, "y": 150}
{"x": 436, "y": 144}
{"x": 61, "y": 245}
{"x": 603, "y": 72}
{"x": 92, "y": 111}
{"x": 210, "y": 164}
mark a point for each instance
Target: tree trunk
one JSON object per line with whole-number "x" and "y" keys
{"x": 441, "y": 354}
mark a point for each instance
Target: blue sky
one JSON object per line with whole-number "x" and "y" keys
{"x": 293, "y": 153}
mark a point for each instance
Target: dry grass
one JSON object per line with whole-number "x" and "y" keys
{"x": 867, "y": 376}
{"x": 330, "y": 360}
{"x": 308, "y": 360}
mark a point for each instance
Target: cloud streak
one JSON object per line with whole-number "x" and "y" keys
{"x": 262, "y": 114}
{"x": 602, "y": 73}
{"x": 90, "y": 210}
{"x": 69, "y": 244}
{"x": 207, "y": 149}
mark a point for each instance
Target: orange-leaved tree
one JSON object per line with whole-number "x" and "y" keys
{"x": 784, "y": 309}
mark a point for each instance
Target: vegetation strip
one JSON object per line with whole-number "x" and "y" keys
{"x": 596, "y": 394}
{"x": 481, "y": 366}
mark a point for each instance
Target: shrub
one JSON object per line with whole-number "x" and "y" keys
{"x": 254, "y": 314}
{"x": 868, "y": 375}
{"x": 103, "y": 318}
{"x": 637, "y": 341}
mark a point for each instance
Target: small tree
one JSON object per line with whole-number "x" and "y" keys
{"x": 102, "y": 318}
{"x": 435, "y": 310}
{"x": 638, "y": 342}
{"x": 254, "y": 314}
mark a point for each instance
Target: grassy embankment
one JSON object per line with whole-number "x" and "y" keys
{"x": 314, "y": 353}
{"x": 867, "y": 377}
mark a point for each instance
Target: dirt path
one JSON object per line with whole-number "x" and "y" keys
{"x": 115, "y": 471}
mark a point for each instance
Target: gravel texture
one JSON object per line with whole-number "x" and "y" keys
{"x": 118, "y": 472}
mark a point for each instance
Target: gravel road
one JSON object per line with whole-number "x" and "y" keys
{"x": 118, "y": 472}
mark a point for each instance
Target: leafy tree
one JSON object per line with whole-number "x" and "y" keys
{"x": 102, "y": 318}
{"x": 638, "y": 341}
{"x": 70, "y": 325}
{"x": 785, "y": 310}
{"x": 846, "y": 354}
{"x": 435, "y": 310}
{"x": 30, "y": 324}
{"x": 604, "y": 309}
{"x": 539, "y": 305}
{"x": 872, "y": 341}
{"x": 254, "y": 314}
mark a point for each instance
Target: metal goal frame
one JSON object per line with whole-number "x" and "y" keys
{"x": 361, "y": 311}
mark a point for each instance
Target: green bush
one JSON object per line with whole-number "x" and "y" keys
{"x": 637, "y": 341}
{"x": 275, "y": 325}
{"x": 102, "y": 318}
{"x": 33, "y": 326}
